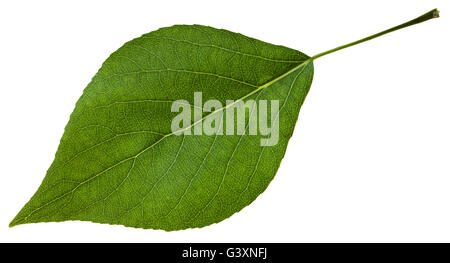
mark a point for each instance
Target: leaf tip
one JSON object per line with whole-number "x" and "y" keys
{"x": 12, "y": 223}
{"x": 16, "y": 221}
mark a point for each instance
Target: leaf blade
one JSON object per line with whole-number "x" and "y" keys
{"x": 146, "y": 177}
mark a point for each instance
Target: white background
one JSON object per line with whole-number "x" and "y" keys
{"x": 370, "y": 156}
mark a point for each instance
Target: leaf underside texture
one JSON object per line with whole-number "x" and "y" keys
{"x": 118, "y": 161}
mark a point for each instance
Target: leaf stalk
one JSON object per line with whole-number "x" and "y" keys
{"x": 429, "y": 15}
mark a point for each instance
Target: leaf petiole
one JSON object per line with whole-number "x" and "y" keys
{"x": 429, "y": 15}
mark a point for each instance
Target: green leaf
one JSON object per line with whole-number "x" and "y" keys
{"x": 120, "y": 162}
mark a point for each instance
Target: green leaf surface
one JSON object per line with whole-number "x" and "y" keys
{"x": 119, "y": 162}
